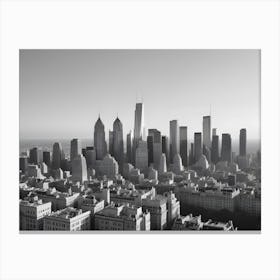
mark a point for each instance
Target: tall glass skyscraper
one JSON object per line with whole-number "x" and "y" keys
{"x": 99, "y": 140}
{"x": 118, "y": 142}
{"x": 242, "y": 142}
{"x": 174, "y": 139}
{"x": 57, "y": 155}
{"x": 75, "y": 149}
{"x": 139, "y": 121}
{"x": 197, "y": 146}
{"x": 226, "y": 153}
{"x": 206, "y": 130}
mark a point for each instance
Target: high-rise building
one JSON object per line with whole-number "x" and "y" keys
{"x": 162, "y": 166}
{"x": 139, "y": 121}
{"x": 226, "y": 153}
{"x": 47, "y": 158}
{"x": 118, "y": 142}
{"x": 157, "y": 146}
{"x": 90, "y": 156}
{"x": 109, "y": 167}
{"x": 57, "y": 155}
{"x": 141, "y": 160}
{"x": 165, "y": 147}
{"x": 23, "y": 163}
{"x": 215, "y": 149}
{"x": 111, "y": 143}
{"x": 242, "y": 142}
{"x": 150, "y": 145}
{"x": 214, "y": 131}
{"x": 174, "y": 139}
{"x": 184, "y": 145}
{"x": 191, "y": 156}
{"x": 99, "y": 140}
{"x": 75, "y": 149}
{"x": 79, "y": 169}
{"x": 128, "y": 148}
{"x": 206, "y": 130}
{"x": 197, "y": 146}
{"x": 35, "y": 155}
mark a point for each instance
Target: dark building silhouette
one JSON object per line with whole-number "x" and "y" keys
{"x": 226, "y": 153}
{"x": 128, "y": 148}
{"x": 75, "y": 148}
{"x": 47, "y": 158}
{"x": 99, "y": 140}
{"x": 57, "y": 156}
{"x": 23, "y": 163}
{"x": 150, "y": 142}
{"x": 174, "y": 139}
{"x": 35, "y": 155}
{"x": 111, "y": 142}
{"x": 183, "y": 130}
{"x": 242, "y": 142}
{"x": 215, "y": 149}
{"x": 157, "y": 146}
{"x": 191, "y": 156}
{"x": 197, "y": 146}
{"x": 118, "y": 142}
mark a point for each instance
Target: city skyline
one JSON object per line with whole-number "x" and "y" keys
{"x": 196, "y": 69}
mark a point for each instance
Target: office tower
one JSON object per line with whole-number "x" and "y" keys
{"x": 184, "y": 144}
{"x": 215, "y": 149}
{"x": 128, "y": 148}
{"x": 177, "y": 164}
{"x": 139, "y": 121}
{"x": 162, "y": 166}
{"x": 206, "y": 130}
{"x": 157, "y": 146}
{"x": 75, "y": 148}
{"x": 111, "y": 142}
{"x": 165, "y": 147}
{"x": 118, "y": 142}
{"x": 57, "y": 156}
{"x": 79, "y": 169}
{"x": 99, "y": 140}
{"x": 191, "y": 157}
{"x": 23, "y": 163}
{"x": 174, "y": 139}
{"x": 226, "y": 153}
{"x": 150, "y": 142}
{"x": 141, "y": 159}
{"x": 90, "y": 156}
{"x": 214, "y": 132}
{"x": 35, "y": 155}
{"x": 242, "y": 142}
{"x": 152, "y": 173}
{"x": 197, "y": 146}
{"x": 47, "y": 158}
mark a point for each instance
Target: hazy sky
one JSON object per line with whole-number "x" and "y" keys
{"x": 63, "y": 91}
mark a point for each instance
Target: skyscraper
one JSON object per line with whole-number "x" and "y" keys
{"x": 214, "y": 131}
{"x": 197, "y": 146}
{"x": 47, "y": 158}
{"x": 141, "y": 160}
{"x": 177, "y": 164}
{"x": 79, "y": 169}
{"x": 118, "y": 142}
{"x": 90, "y": 156}
{"x": 57, "y": 156}
{"x": 174, "y": 138}
{"x": 157, "y": 146}
{"x": 128, "y": 148}
{"x": 139, "y": 121}
{"x": 111, "y": 139}
{"x": 35, "y": 155}
{"x": 99, "y": 140}
{"x": 206, "y": 130}
{"x": 226, "y": 153}
{"x": 215, "y": 149}
{"x": 242, "y": 142}
{"x": 138, "y": 128}
{"x": 150, "y": 143}
{"x": 165, "y": 148}
{"x": 75, "y": 149}
{"x": 184, "y": 144}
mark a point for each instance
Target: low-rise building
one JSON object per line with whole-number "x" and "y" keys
{"x": 32, "y": 212}
{"x": 69, "y": 219}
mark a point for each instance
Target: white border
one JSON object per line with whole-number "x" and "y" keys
{"x": 155, "y": 24}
